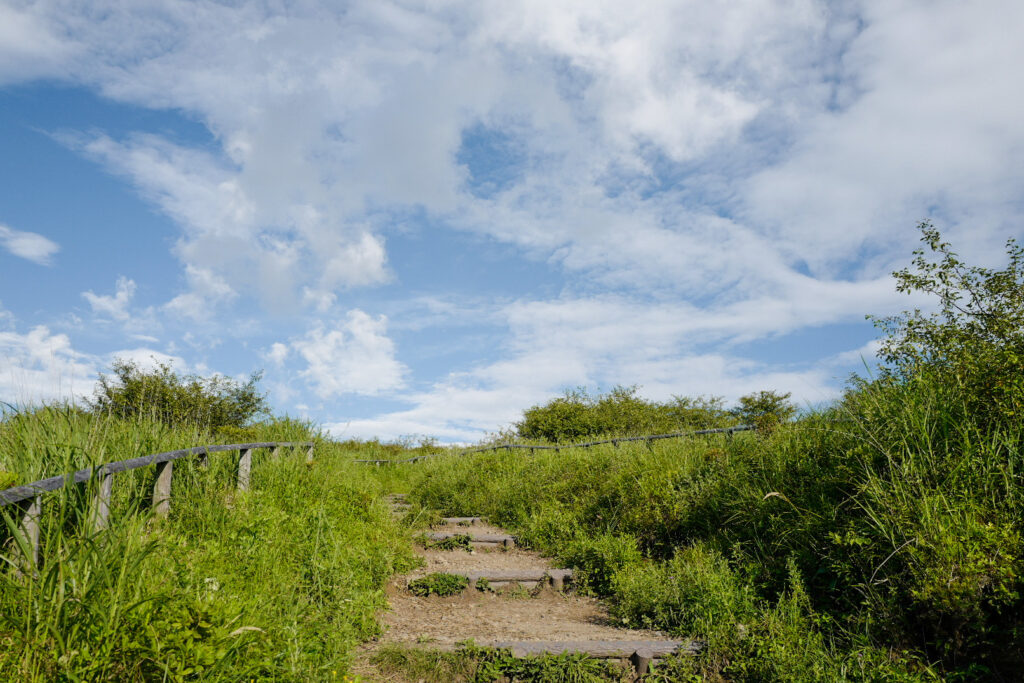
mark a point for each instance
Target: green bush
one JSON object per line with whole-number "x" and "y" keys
{"x": 975, "y": 340}
{"x": 163, "y": 395}
{"x": 620, "y": 412}
{"x": 694, "y": 594}
{"x": 597, "y": 560}
{"x": 439, "y": 584}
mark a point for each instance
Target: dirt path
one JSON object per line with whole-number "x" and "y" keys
{"x": 488, "y": 617}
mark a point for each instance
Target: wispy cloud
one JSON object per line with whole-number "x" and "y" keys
{"x": 695, "y": 175}
{"x": 28, "y": 245}
{"x": 354, "y": 357}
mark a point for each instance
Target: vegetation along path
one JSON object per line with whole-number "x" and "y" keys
{"x": 475, "y": 584}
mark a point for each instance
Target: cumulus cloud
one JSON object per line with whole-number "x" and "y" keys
{"x": 149, "y": 359}
{"x": 116, "y": 305}
{"x": 356, "y": 357}
{"x": 277, "y": 353}
{"x": 695, "y": 172}
{"x": 43, "y": 366}
{"x": 28, "y": 245}
{"x": 207, "y": 290}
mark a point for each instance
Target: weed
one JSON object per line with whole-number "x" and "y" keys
{"x": 438, "y": 584}
{"x": 454, "y": 542}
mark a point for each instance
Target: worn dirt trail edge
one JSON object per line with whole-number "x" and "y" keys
{"x": 525, "y": 609}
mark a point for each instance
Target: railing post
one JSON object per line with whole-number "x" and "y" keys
{"x": 101, "y": 500}
{"x": 244, "y": 468}
{"x": 204, "y": 460}
{"x": 276, "y": 453}
{"x": 162, "y": 488}
{"x": 29, "y": 531}
{"x": 309, "y": 453}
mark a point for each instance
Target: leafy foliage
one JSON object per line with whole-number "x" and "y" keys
{"x": 163, "y": 395}
{"x": 975, "y": 339}
{"x": 474, "y": 664}
{"x": 439, "y": 584}
{"x": 765, "y": 410}
{"x": 620, "y": 412}
{"x": 277, "y": 583}
{"x": 878, "y": 539}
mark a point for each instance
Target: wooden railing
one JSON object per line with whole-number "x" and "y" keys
{"x": 728, "y": 431}
{"x": 29, "y": 496}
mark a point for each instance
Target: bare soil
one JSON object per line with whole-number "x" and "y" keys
{"x": 488, "y": 617}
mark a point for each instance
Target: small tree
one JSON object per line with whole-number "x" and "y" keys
{"x": 162, "y": 394}
{"x": 765, "y": 410}
{"x": 975, "y": 340}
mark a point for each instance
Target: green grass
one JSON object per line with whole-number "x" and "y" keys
{"x": 276, "y": 583}
{"x": 877, "y": 540}
{"x": 471, "y": 663}
{"x": 439, "y": 584}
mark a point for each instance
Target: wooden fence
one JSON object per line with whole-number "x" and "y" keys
{"x": 30, "y": 496}
{"x": 728, "y": 431}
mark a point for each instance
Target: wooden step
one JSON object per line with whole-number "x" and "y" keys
{"x": 482, "y": 539}
{"x": 463, "y": 521}
{"x": 639, "y": 652}
{"x": 499, "y": 578}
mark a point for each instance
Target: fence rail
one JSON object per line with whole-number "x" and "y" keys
{"x": 29, "y": 496}
{"x": 728, "y": 431}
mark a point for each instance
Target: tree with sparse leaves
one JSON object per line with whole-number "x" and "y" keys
{"x": 765, "y": 410}
{"x": 975, "y": 339}
{"x": 161, "y": 394}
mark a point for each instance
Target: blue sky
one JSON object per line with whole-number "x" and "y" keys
{"x": 421, "y": 218}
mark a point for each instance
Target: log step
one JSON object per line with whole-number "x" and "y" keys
{"x": 639, "y": 652}
{"x": 463, "y": 520}
{"x": 491, "y": 539}
{"x": 499, "y": 578}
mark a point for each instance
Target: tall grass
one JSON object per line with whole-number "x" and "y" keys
{"x": 878, "y": 539}
{"x": 276, "y": 583}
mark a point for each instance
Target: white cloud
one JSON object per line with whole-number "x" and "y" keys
{"x": 207, "y": 290}
{"x": 602, "y": 342}
{"x": 28, "y": 245}
{"x": 356, "y": 357}
{"x": 698, "y": 172}
{"x": 937, "y": 129}
{"x": 29, "y": 47}
{"x": 277, "y": 354}
{"x": 115, "y": 306}
{"x": 149, "y": 359}
{"x": 42, "y": 366}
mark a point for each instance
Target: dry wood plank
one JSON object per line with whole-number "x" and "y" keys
{"x": 474, "y": 538}
{"x": 162, "y": 488}
{"x": 519, "y": 574}
{"x": 29, "y": 532}
{"x": 244, "y": 468}
{"x": 557, "y": 577}
{"x": 463, "y": 520}
{"x": 622, "y": 649}
{"x": 18, "y": 494}
{"x": 100, "y": 513}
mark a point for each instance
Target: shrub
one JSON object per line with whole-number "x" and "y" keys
{"x": 163, "y": 395}
{"x": 597, "y": 560}
{"x": 765, "y": 410}
{"x": 975, "y": 340}
{"x": 695, "y": 593}
{"x": 620, "y": 412}
{"x": 438, "y": 584}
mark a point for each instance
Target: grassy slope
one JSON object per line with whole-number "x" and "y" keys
{"x": 877, "y": 541}
{"x": 278, "y": 583}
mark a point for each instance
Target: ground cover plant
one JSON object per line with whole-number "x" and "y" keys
{"x": 473, "y": 664}
{"x": 439, "y": 584}
{"x": 276, "y": 583}
{"x": 876, "y": 539}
